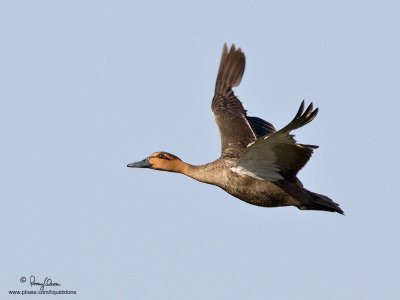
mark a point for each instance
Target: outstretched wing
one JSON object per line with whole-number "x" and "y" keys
{"x": 235, "y": 131}
{"x": 278, "y": 156}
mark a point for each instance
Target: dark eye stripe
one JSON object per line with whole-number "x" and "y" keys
{"x": 163, "y": 156}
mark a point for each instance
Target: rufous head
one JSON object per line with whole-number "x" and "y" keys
{"x": 162, "y": 161}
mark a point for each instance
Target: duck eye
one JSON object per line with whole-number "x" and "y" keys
{"x": 161, "y": 156}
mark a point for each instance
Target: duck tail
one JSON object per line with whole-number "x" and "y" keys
{"x": 320, "y": 202}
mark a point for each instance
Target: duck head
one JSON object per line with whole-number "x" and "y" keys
{"x": 162, "y": 161}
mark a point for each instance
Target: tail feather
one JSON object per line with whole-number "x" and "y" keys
{"x": 320, "y": 202}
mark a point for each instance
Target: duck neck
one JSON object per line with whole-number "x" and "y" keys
{"x": 203, "y": 173}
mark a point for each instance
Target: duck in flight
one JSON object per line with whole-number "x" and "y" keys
{"x": 258, "y": 164}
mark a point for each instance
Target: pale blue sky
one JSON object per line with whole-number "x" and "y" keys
{"x": 89, "y": 86}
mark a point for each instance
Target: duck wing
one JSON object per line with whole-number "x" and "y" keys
{"x": 260, "y": 127}
{"x": 278, "y": 156}
{"x": 235, "y": 130}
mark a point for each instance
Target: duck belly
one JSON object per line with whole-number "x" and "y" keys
{"x": 261, "y": 192}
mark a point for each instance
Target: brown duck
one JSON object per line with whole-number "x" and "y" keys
{"x": 258, "y": 163}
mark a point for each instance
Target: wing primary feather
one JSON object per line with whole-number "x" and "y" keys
{"x": 300, "y": 111}
{"x": 302, "y": 118}
{"x": 230, "y": 115}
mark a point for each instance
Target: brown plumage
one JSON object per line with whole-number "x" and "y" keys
{"x": 258, "y": 164}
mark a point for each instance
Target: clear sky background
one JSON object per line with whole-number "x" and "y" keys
{"x": 89, "y": 86}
